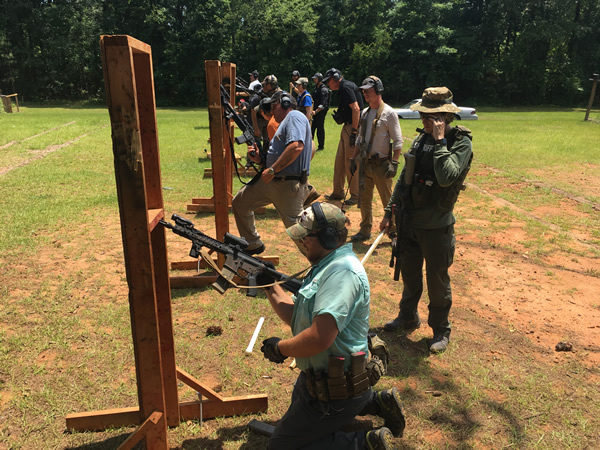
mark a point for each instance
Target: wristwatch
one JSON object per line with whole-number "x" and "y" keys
{"x": 442, "y": 141}
{"x": 271, "y": 171}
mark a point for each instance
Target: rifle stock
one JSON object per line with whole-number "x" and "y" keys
{"x": 237, "y": 262}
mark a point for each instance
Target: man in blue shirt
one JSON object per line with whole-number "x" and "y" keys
{"x": 329, "y": 318}
{"x": 283, "y": 182}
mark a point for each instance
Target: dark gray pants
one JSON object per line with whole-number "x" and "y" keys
{"x": 436, "y": 247}
{"x": 311, "y": 424}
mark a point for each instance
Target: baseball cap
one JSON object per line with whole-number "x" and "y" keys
{"x": 303, "y": 81}
{"x": 436, "y": 99}
{"x": 295, "y": 73}
{"x": 318, "y": 75}
{"x": 254, "y": 73}
{"x": 331, "y": 73}
{"x": 307, "y": 224}
{"x": 369, "y": 83}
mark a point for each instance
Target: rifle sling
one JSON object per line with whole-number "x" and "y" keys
{"x": 206, "y": 257}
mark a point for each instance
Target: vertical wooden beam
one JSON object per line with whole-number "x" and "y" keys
{"x": 229, "y": 71}
{"x": 154, "y": 196}
{"x": 217, "y": 148}
{"x": 122, "y": 98}
{"x": 592, "y": 95}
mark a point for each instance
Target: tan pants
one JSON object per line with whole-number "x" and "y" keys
{"x": 341, "y": 169}
{"x": 374, "y": 169}
{"x": 287, "y": 197}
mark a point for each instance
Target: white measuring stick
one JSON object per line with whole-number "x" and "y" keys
{"x": 372, "y": 248}
{"x": 255, "y": 335}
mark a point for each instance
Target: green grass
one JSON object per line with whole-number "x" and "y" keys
{"x": 65, "y": 338}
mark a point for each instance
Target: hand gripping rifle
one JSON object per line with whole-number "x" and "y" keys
{"x": 237, "y": 262}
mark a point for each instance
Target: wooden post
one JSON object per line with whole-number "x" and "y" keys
{"x": 129, "y": 83}
{"x": 594, "y": 78}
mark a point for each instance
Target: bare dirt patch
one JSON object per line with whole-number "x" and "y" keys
{"x": 512, "y": 304}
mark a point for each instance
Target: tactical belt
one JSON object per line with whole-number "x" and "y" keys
{"x": 289, "y": 178}
{"x": 337, "y": 384}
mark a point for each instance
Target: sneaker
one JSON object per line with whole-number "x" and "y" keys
{"x": 401, "y": 324}
{"x": 360, "y": 237}
{"x": 311, "y": 197}
{"x": 380, "y": 439}
{"x": 439, "y": 343}
{"x": 351, "y": 201}
{"x": 333, "y": 197}
{"x": 256, "y": 251}
{"x": 391, "y": 411}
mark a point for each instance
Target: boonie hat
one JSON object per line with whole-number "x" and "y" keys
{"x": 306, "y": 223}
{"x": 436, "y": 99}
{"x": 331, "y": 73}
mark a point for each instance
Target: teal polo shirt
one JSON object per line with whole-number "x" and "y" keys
{"x": 336, "y": 285}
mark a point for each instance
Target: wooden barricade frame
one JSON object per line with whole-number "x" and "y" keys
{"x": 129, "y": 82}
{"x": 221, "y": 139}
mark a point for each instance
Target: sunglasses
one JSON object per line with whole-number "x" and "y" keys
{"x": 430, "y": 116}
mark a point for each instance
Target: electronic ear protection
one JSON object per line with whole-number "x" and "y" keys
{"x": 327, "y": 235}
{"x": 285, "y": 101}
{"x": 336, "y": 75}
{"x": 378, "y": 86}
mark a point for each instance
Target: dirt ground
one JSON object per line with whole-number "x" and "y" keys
{"x": 541, "y": 286}
{"x": 550, "y": 297}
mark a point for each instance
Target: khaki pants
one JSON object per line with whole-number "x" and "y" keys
{"x": 374, "y": 169}
{"x": 287, "y": 197}
{"x": 341, "y": 169}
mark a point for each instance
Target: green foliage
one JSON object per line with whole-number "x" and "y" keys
{"x": 493, "y": 51}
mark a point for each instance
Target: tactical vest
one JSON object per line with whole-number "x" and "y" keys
{"x": 426, "y": 191}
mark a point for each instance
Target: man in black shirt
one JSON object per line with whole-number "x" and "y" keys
{"x": 320, "y": 108}
{"x": 350, "y": 104}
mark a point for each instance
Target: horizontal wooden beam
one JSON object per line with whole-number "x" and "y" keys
{"x": 123, "y": 417}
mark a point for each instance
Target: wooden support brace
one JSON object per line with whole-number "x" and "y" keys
{"x": 141, "y": 433}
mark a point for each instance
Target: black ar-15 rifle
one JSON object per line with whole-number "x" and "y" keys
{"x": 237, "y": 262}
{"x": 247, "y": 136}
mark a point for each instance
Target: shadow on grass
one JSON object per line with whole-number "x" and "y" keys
{"x": 112, "y": 442}
{"x": 251, "y": 440}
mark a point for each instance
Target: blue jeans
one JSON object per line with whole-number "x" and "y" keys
{"x": 311, "y": 424}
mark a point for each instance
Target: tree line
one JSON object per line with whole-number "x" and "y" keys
{"x": 493, "y": 52}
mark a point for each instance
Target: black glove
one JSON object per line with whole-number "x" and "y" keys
{"x": 353, "y": 139}
{"x": 263, "y": 278}
{"x": 353, "y": 166}
{"x": 270, "y": 348}
{"x": 392, "y": 169}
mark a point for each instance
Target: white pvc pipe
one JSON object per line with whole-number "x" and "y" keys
{"x": 372, "y": 248}
{"x": 255, "y": 335}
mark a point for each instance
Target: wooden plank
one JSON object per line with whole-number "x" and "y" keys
{"x": 103, "y": 419}
{"x": 122, "y": 99}
{"x": 230, "y": 406}
{"x": 123, "y": 417}
{"x": 203, "y": 201}
{"x": 217, "y": 144}
{"x": 189, "y": 380}
{"x": 144, "y": 81}
{"x": 141, "y": 432}
{"x": 194, "y": 282}
{"x": 154, "y": 215}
